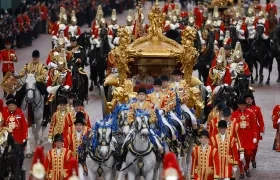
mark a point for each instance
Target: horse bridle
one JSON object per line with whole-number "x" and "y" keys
{"x": 143, "y": 126}
{"x": 33, "y": 99}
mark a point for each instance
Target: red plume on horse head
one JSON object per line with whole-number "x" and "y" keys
{"x": 37, "y": 168}
{"x": 171, "y": 168}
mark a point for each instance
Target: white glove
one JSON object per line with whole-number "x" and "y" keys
{"x": 234, "y": 168}
{"x": 226, "y": 85}
{"x": 255, "y": 140}
{"x": 240, "y": 31}
{"x": 54, "y": 38}
{"x": 278, "y": 122}
{"x": 50, "y": 140}
{"x": 97, "y": 42}
{"x": 116, "y": 41}
{"x": 52, "y": 65}
{"x": 261, "y": 134}
{"x": 49, "y": 89}
{"x": 202, "y": 41}
{"x": 160, "y": 112}
{"x": 241, "y": 157}
{"x": 24, "y": 140}
{"x": 66, "y": 87}
{"x": 264, "y": 36}
{"x": 208, "y": 89}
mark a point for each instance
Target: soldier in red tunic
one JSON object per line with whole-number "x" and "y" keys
{"x": 205, "y": 160}
{"x": 44, "y": 17}
{"x": 272, "y": 6}
{"x": 171, "y": 168}
{"x": 260, "y": 123}
{"x": 8, "y": 56}
{"x": 247, "y": 133}
{"x": 169, "y": 4}
{"x": 14, "y": 120}
{"x": 227, "y": 151}
{"x": 198, "y": 12}
{"x": 276, "y": 125}
{"x": 219, "y": 74}
{"x": 56, "y": 160}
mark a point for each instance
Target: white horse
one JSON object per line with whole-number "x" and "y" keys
{"x": 140, "y": 151}
{"x": 33, "y": 101}
{"x": 100, "y": 161}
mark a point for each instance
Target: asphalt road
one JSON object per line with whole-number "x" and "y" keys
{"x": 268, "y": 161}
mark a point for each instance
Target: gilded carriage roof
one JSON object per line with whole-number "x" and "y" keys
{"x": 154, "y": 43}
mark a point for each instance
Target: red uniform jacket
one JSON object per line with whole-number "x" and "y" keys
{"x": 72, "y": 142}
{"x": 260, "y": 122}
{"x": 265, "y": 23}
{"x": 226, "y": 79}
{"x": 205, "y": 164}
{"x": 217, "y": 33}
{"x": 69, "y": 120}
{"x": 44, "y": 12}
{"x": 55, "y": 29}
{"x": 247, "y": 128}
{"x": 246, "y": 69}
{"x": 94, "y": 26}
{"x": 271, "y": 6}
{"x": 17, "y": 123}
{"x": 8, "y": 62}
{"x": 199, "y": 19}
{"x": 166, "y": 7}
{"x": 56, "y": 164}
{"x": 19, "y": 22}
{"x": 227, "y": 152}
{"x": 276, "y": 116}
{"x": 66, "y": 31}
{"x": 67, "y": 81}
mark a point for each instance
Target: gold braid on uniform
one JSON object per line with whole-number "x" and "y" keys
{"x": 214, "y": 77}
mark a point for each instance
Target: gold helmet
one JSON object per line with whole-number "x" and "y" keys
{"x": 169, "y": 13}
{"x": 129, "y": 17}
{"x": 73, "y": 17}
{"x": 177, "y": 10}
{"x": 61, "y": 61}
{"x": 209, "y": 20}
{"x": 221, "y": 58}
{"x": 238, "y": 51}
{"x": 251, "y": 11}
{"x": 114, "y": 15}
{"x": 216, "y": 13}
{"x": 98, "y": 11}
{"x": 38, "y": 170}
{"x": 174, "y": 17}
{"x": 62, "y": 16}
{"x": 141, "y": 13}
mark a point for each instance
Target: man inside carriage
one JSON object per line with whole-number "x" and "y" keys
{"x": 59, "y": 78}
{"x": 219, "y": 74}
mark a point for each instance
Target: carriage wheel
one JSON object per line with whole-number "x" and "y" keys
{"x": 103, "y": 100}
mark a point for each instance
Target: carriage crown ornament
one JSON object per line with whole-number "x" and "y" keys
{"x": 10, "y": 84}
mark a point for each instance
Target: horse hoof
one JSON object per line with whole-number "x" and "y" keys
{"x": 267, "y": 83}
{"x": 252, "y": 82}
{"x": 278, "y": 80}
{"x": 260, "y": 83}
{"x": 29, "y": 155}
{"x": 90, "y": 88}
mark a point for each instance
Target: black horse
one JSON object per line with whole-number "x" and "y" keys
{"x": 275, "y": 48}
{"x": 227, "y": 94}
{"x": 206, "y": 57}
{"x": 241, "y": 85}
{"x": 80, "y": 83}
{"x": 259, "y": 52}
{"x": 98, "y": 60}
{"x": 11, "y": 160}
{"x": 84, "y": 41}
